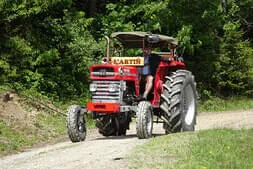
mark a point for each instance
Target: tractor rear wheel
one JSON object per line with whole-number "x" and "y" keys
{"x": 144, "y": 120}
{"x": 179, "y": 102}
{"x": 76, "y": 123}
{"x": 113, "y": 125}
{"x": 106, "y": 126}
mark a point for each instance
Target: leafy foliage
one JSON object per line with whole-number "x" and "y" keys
{"x": 232, "y": 68}
{"x": 47, "y": 46}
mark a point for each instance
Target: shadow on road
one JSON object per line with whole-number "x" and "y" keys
{"x": 128, "y": 136}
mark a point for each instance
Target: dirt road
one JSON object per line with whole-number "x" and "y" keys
{"x": 99, "y": 152}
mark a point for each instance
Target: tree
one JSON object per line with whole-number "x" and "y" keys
{"x": 45, "y": 47}
{"x": 232, "y": 68}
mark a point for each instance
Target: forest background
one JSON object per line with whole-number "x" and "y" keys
{"x": 47, "y": 46}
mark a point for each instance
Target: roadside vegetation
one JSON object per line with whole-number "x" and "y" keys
{"x": 219, "y": 148}
{"x": 46, "y": 48}
{"x": 40, "y": 124}
{"x": 16, "y": 136}
{"x": 26, "y": 122}
{"x": 215, "y": 104}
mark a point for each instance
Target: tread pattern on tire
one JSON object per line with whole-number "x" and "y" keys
{"x": 107, "y": 125}
{"x": 171, "y": 100}
{"x": 144, "y": 107}
{"x": 72, "y": 126}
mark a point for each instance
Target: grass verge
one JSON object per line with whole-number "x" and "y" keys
{"x": 45, "y": 127}
{"x": 14, "y": 137}
{"x": 27, "y": 121}
{"x": 219, "y": 149}
{"x": 217, "y": 104}
{"x": 12, "y": 140}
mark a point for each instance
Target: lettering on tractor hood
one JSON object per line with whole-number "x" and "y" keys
{"x": 136, "y": 61}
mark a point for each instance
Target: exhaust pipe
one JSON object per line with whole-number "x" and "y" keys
{"x": 107, "y": 48}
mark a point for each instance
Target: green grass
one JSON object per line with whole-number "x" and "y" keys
{"x": 11, "y": 139}
{"x": 90, "y": 122}
{"x": 217, "y": 104}
{"x": 211, "y": 149}
{"x": 3, "y": 89}
{"x": 63, "y": 105}
{"x": 50, "y": 125}
{"x": 45, "y": 127}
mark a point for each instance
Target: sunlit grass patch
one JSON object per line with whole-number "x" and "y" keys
{"x": 218, "y": 104}
{"x": 219, "y": 149}
{"x": 13, "y": 140}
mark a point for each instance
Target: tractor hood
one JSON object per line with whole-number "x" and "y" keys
{"x": 113, "y": 72}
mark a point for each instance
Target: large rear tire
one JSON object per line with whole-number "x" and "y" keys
{"x": 144, "y": 120}
{"x": 76, "y": 125}
{"x": 179, "y": 102}
{"x": 113, "y": 125}
{"x": 106, "y": 126}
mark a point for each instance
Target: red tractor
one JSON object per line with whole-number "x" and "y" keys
{"x": 118, "y": 82}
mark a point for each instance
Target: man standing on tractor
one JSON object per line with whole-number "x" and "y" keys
{"x": 147, "y": 72}
{"x": 150, "y": 65}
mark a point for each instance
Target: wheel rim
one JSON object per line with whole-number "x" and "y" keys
{"x": 189, "y": 105}
{"x": 149, "y": 120}
{"x": 80, "y": 123}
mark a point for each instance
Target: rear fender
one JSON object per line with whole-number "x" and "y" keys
{"x": 161, "y": 73}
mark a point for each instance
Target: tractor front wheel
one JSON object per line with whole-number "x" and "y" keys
{"x": 76, "y": 123}
{"x": 144, "y": 120}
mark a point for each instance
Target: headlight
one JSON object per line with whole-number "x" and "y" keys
{"x": 123, "y": 85}
{"x": 93, "y": 87}
{"x": 112, "y": 87}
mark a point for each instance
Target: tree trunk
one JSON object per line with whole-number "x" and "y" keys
{"x": 224, "y": 5}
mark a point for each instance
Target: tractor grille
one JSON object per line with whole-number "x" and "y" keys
{"x": 103, "y": 92}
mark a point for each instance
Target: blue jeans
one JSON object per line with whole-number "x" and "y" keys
{"x": 146, "y": 68}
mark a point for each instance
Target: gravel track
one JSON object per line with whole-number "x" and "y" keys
{"x": 99, "y": 152}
